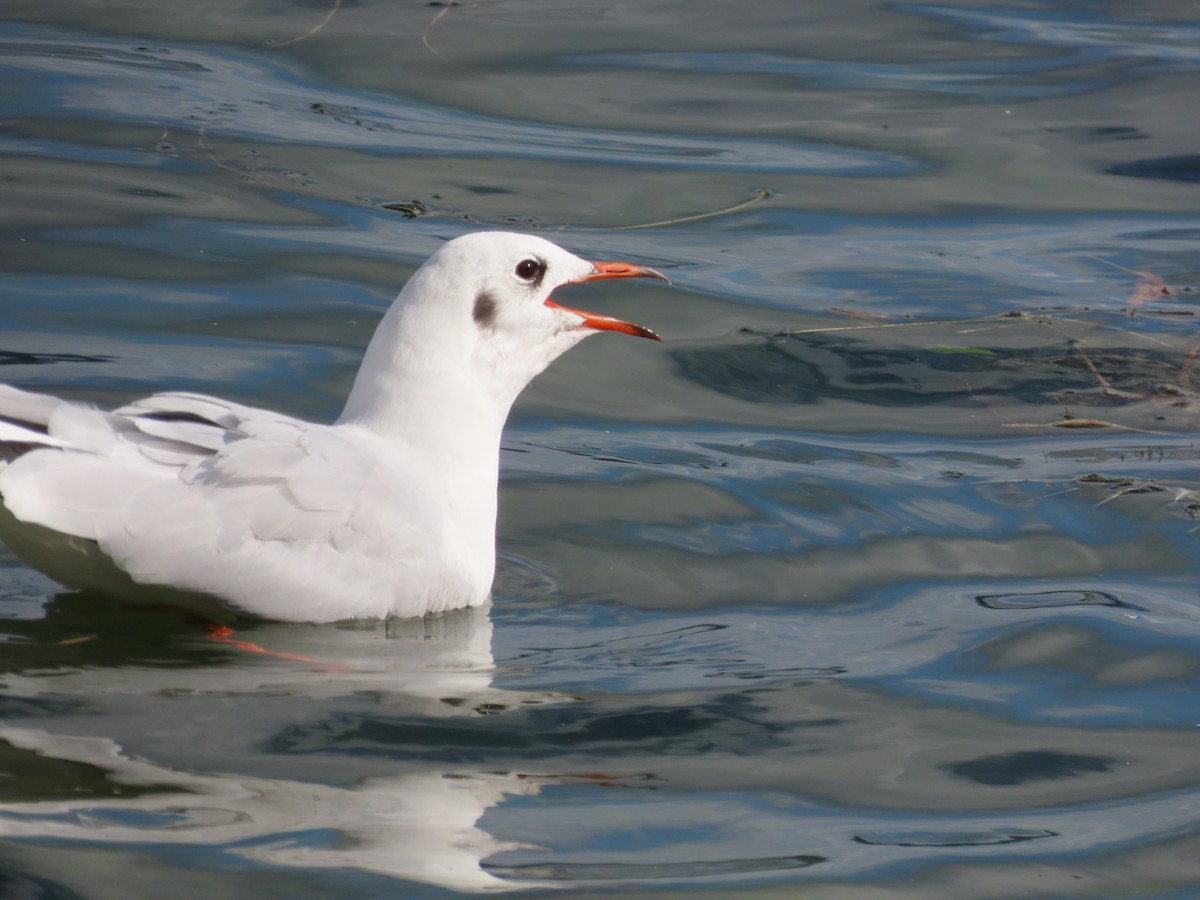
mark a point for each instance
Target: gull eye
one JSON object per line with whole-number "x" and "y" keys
{"x": 531, "y": 270}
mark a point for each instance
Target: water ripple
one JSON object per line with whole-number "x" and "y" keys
{"x": 238, "y": 94}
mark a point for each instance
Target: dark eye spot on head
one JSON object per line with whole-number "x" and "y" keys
{"x": 484, "y": 310}
{"x": 531, "y": 270}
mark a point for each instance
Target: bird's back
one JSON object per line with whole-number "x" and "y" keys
{"x": 272, "y": 515}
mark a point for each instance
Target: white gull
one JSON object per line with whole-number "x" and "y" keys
{"x": 389, "y": 511}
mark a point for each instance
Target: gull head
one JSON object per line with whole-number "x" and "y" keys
{"x": 480, "y": 314}
{"x": 499, "y": 285}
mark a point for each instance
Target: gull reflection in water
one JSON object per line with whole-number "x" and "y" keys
{"x": 419, "y": 823}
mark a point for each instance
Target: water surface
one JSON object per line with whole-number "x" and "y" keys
{"x": 877, "y": 577}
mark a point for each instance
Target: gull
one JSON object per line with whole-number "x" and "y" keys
{"x": 390, "y": 511}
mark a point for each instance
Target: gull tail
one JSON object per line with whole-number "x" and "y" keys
{"x": 25, "y": 422}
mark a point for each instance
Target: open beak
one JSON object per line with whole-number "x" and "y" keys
{"x": 600, "y": 272}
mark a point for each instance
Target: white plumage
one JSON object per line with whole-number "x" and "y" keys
{"x": 390, "y": 511}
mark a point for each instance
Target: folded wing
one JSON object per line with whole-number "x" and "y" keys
{"x": 272, "y": 515}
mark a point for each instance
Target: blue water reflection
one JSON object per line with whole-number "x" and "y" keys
{"x": 248, "y": 96}
{"x": 877, "y": 577}
{"x": 1163, "y": 47}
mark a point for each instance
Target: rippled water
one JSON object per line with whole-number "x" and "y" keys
{"x": 877, "y": 578}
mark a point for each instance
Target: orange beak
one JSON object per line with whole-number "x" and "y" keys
{"x": 601, "y": 271}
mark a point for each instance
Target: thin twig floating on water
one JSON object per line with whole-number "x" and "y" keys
{"x": 760, "y": 195}
{"x": 202, "y": 140}
{"x": 1109, "y": 262}
{"x": 873, "y": 325}
{"x": 78, "y": 639}
{"x": 1138, "y": 486}
{"x": 1049, "y": 319}
{"x": 429, "y": 28}
{"x": 1077, "y": 346}
{"x": 337, "y": 4}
